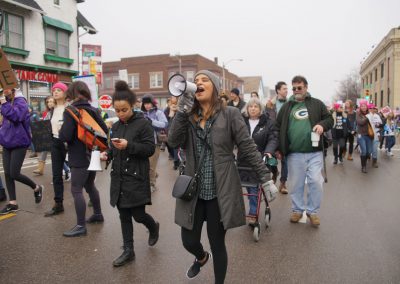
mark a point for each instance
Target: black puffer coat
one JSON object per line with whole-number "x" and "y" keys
{"x": 130, "y": 182}
{"x": 265, "y": 135}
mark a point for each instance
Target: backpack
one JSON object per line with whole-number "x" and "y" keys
{"x": 89, "y": 131}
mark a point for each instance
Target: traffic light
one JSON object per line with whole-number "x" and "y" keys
{"x": 367, "y": 94}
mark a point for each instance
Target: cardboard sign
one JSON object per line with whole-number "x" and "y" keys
{"x": 8, "y": 80}
{"x": 386, "y": 110}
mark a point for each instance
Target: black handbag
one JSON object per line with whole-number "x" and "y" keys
{"x": 185, "y": 186}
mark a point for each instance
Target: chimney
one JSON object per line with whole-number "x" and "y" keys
{"x": 216, "y": 60}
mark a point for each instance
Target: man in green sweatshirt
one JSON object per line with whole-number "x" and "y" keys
{"x": 297, "y": 118}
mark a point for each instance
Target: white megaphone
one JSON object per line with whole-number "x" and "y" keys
{"x": 177, "y": 86}
{"x": 95, "y": 162}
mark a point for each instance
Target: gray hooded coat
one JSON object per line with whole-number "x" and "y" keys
{"x": 228, "y": 129}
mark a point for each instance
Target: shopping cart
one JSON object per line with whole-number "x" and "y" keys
{"x": 261, "y": 196}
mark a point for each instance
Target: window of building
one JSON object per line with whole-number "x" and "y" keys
{"x": 115, "y": 79}
{"x": 190, "y": 76}
{"x": 381, "y": 98}
{"x": 370, "y": 78}
{"x": 382, "y": 69}
{"x": 134, "y": 80}
{"x": 388, "y": 96}
{"x": 13, "y": 31}
{"x": 108, "y": 82}
{"x": 57, "y": 42}
{"x": 388, "y": 68}
{"x": 376, "y": 98}
{"x": 156, "y": 79}
{"x": 376, "y": 74}
{"x": 57, "y": 2}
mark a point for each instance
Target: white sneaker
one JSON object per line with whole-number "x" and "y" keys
{"x": 390, "y": 153}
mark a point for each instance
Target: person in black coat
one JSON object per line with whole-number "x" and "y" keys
{"x": 132, "y": 144}
{"x": 340, "y": 131}
{"x": 265, "y": 135}
{"x": 79, "y": 159}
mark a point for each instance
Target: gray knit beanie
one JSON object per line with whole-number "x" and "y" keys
{"x": 214, "y": 78}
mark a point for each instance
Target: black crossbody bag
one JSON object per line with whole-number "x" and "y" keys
{"x": 185, "y": 186}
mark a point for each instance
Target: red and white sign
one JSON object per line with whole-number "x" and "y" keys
{"x": 105, "y": 101}
{"x": 24, "y": 75}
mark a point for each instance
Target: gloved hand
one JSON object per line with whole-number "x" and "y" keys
{"x": 270, "y": 190}
{"x": 185, "y": 102}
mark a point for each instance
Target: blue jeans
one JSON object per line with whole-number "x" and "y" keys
{"x": 365, "y": 145}
{"x": 375, "y": 144}
{"x": 252, "y": 200}
{"x": 300, "y": 167}
{"x": 390, "y": 142}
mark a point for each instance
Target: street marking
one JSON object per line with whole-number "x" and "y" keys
{"x": 303, "y": 218}
{"x": 7, "y": 216}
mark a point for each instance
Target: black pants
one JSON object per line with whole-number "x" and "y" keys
{"x": 350, "y": 139}
{"x": 82, "y": 178}
{"x": 208, "y": 210}
{"x": 58, "y": 153}
{"x": 12, "y": 163}
{"x": 140, "y": 216}
{"x": 341, "y": 143}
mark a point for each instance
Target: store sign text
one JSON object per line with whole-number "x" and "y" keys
{"x": 24, "y": 75}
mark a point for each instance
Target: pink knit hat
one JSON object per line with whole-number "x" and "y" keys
{"x": 60, "y": 86}
{"x": 371, "y": 106}
{"x": 337, "y": 106}
{"x": 363, "y": 102}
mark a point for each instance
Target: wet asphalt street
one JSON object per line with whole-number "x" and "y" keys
{"x": 358, "y": 240}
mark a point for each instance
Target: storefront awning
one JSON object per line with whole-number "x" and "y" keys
{"x": 85, "y": 24}
{"x": 58, "y": 24}
{"x": 30, "y": 5}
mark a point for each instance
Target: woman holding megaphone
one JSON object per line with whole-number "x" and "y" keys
{"x": 208, "y": 132}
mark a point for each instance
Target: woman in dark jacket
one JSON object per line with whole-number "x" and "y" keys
{"x": 265, "y": 135}
{"x": 15, "y": 137}
{"x": 203, "y": 124}
{"x": 79, "y": 159}
{"x": 339, "y": 132}
{"x": 132, "y": 145}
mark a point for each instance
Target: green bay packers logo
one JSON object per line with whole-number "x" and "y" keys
{"x": 301, "y": 114}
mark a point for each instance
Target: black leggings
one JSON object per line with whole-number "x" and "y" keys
{"x": 350, "y": 139}
{"x": 208, "y": 210}
{"x": 82, "y": 178}
{"x": 140, "y": 216}
{"x": 12, "y": 163}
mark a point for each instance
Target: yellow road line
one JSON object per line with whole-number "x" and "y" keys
{"x": 7, "y": 216}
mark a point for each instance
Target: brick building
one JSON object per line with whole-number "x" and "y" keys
{"x": 150, "y": 74}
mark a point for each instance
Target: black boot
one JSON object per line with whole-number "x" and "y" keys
{"x": 127, "y": 256}
{"x": 153, "y": 236}
{"x": 57, "y": 209}
{"x": 3, "y": 196}
{"x": 363, "y": 164}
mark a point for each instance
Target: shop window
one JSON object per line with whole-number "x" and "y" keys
{"x": 57, "y": 42}
{"x": 13, "y": 31}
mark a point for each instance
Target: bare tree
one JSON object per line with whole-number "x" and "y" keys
{"x": 350, "y": 87}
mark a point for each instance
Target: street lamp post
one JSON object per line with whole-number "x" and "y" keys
{"x": 224, "y": 64}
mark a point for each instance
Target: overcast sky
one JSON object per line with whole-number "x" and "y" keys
{"x": 322, "y": 40}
